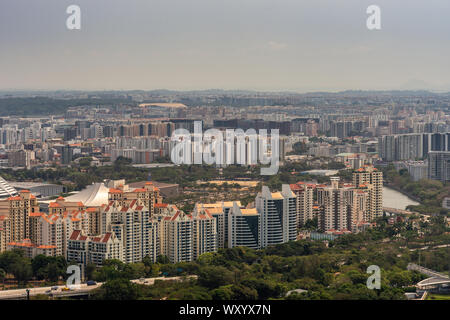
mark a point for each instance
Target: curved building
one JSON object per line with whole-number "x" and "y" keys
{"x": 6, "y": 190}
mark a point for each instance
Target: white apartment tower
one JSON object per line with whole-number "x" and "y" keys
{"x": 278, "y": 216}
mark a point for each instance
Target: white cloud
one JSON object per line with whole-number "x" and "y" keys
{"x": 276, "y": 46}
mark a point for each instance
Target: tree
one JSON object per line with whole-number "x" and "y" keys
{"x": 222, "y": 293}
{"x": 122, "y": 161}
{"x": 134, "y": 270}
{"x": 241, "y": 292}
{"x": 39, "y": 265}
{"x": 9, "y": 258}
{"x": 53, "y": 272}
{"x": 22, "y": 271}
{"x": 163, "y": 259}
{"x": 118, "y": 289}
{"x": 215, "y": 276}
{"x": 90, "y": 270}
{"x": 2, "y": 275}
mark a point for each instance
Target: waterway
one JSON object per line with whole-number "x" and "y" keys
{"x": 395, "y": 199}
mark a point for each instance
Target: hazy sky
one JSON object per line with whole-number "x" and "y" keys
{"x": 299, "y": 45}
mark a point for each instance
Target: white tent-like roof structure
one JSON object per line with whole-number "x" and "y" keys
{"x": 93, "y": 196}
{"x": 6, "y": 190}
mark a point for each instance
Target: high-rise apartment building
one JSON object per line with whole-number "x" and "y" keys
{"x": 439, "y": 166}
{"x": 131, "y": 224}
{"x": 19, "y": 209}
{"x": 336, "y": 202}
{"x": 278, "y": 216}
{"x": 368, "y": 175}
{"x": 204, "y": 234}
{"x": 5, "y": 232}
{"x": 243, "y": 227}
{"x": 220, "y": 211}
{"x": 305, "y": 201}
{"x": 177, "y": 235}
{"x": 93, "y": 249}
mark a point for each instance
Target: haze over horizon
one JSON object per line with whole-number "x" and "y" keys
{"x": 262, "y": 45}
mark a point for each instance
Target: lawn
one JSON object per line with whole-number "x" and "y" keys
{"x": 433, "y": 296}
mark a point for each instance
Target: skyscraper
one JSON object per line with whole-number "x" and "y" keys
{"x": 368, "y": 175}
{"x": 278, "y": 216}
{"x": 439, "y": 166}
{"x": 243, "y": 225}
{"x": 336, "y": 202}
{"x": 305, "y": 202}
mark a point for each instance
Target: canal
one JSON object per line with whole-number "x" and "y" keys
{"x": 395, "y": 199}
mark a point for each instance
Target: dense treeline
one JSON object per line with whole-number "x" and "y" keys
{"x": 242, "y": 273}
{"x": 48, "y": 106}
{"x": 22, "y": 269}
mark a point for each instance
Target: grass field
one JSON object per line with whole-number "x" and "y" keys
{"x": 433, "y": 296}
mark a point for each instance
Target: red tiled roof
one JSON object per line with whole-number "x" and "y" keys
{"x": 106, "y": 237}
{"x": 75, "y": 234}
{"x": 46, "y": 247}
{"x": 54, "y": 205}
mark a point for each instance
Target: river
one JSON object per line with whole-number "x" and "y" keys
{"x": 395, "y": 199}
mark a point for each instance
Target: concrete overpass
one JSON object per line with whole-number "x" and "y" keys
{"x": 437, "y": 282}
{"x": 82, "y": 290}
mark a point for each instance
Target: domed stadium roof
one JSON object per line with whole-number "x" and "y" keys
{"x": 6, "y": 190}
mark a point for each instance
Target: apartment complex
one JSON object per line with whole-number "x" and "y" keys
{"x": 342, "y": 207}
{"x": 277, "y": 216}
{"x": 336, "y": 202}
{"x": 220, "y": 211}
{"x": 94, "y": 249}
{"x": 412, "y": 146}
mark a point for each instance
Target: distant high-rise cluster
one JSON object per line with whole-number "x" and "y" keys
{"x": 341, "y": 207}
{"x": 412, "y": 146}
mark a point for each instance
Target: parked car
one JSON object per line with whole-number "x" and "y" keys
{"x": 91, "y": 283}
{"x": 55, "y": 288}
{"x": 65, "y": 289}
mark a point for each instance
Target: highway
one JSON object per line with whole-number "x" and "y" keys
{"x": 83, "y": 289}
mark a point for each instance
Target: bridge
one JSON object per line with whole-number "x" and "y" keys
{"x": 437, "y": 282}
{"x": 399, "y": 211}
{"x": 82, "y": 290}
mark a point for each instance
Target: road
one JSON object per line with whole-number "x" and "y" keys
{"x": 82, "y": 289}
{"x": 426, "y": 271}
